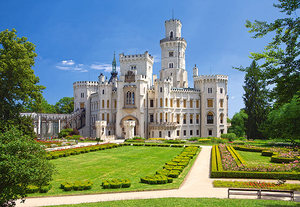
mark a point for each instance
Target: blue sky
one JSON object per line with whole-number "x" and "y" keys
{"x": 75, "y": 40}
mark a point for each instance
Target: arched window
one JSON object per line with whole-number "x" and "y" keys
{"x": 210, "y": 118}
{"x": 171, "y": 35}
{"x": 132, "y": 98}
{"x": 221, "y": 118}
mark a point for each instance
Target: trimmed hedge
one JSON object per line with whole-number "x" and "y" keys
{"x": 156, "y": 179}
{"x": 116, "y": 183}
{"x": 236, "y": 156}
{"x": 267, "y": 153}
{"x": 278, "y": 159}
{"x": 77, "y": 185}
{"x": 253, "y": 149}
{"x": 173, "y": 168}
{"x": 35, "y": 189}
{"x": 218, "y": 172}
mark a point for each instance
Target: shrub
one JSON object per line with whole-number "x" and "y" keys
{"x": 156, "y": 179}
{"x": 32, "y": 189}
{"x": 229, "y": 136}
{"x": 45, "y": 189}
{"x": 277, "y": 159}
{"x": 116, "y": 183}
{"x": 77, "y": 185}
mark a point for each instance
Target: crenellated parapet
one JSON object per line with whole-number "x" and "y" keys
{"x": 136, "y": 57}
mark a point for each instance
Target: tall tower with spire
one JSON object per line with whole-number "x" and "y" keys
{"x": 114, "y": 73}
{"x": 173, "y": 54}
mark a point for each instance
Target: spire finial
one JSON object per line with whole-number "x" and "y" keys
{"x": 114, "y": 63}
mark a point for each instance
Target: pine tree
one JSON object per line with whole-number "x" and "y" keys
{"x": 256, "y": 101}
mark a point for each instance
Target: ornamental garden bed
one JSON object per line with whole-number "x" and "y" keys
{"x": 125, "y": 163}
{"x": 226, "y": 162}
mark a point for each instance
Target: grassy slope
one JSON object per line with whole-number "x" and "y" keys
{"x": 171, "y": 202}
{"x": 124, "y": 162}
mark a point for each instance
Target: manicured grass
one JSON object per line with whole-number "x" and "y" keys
{"x": 122, "y": 162}
{"x": 254, "y": 158}
{"x": 171, "y": 202}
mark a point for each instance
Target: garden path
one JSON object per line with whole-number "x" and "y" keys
{"x": 196, "y": 185}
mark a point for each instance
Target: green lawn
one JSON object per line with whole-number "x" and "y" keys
{"x": 122, "y": 162}
{"x": 189, "y": 202}
{"x": 254, "y": 158}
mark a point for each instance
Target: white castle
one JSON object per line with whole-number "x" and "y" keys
{"x": 137, "y": 103}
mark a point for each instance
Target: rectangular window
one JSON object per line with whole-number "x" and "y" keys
{"x": 82, "y": 105}
{"x": 178, "y": 103}
{"x": 222, "y": 131}
{"x": 209, "y": 103}
{"x": 107, "y": 104}
{"x": 178, "y": 118}
{"x": 171, "y": 54}
{"x": 221, "y": 90}
{"x": 191, "y": 132}
{"x": 191, "y": 118}
{"x": 161, "y": 102}
{"x": 197, "y": 132}
{"x": 103, "y": 117}
{"x": 115, "y": 104}
{"x": 160, "y": 89}
{"x": 197, "y": 104}
{"x": 160, "y": 117}
{"x": 151, "y": 118}
{"x": 103, "y": 104}
{"x": 209, "y": 90}
{"x": 184, "y": 118}
{"x": 166, "y": 117}
{"x": 107, "y": 118}
{"x": 159, "y": 134}
{"x": 171, "y": 102}
{"x": 178, "y": 133}
{"x": 169, "y": 134}
{"x": 151, "y": 103}
{"x": 82, "y": 95}
{"x": 172, "y": 117}
{"x": 184, "y": 132}
{"x": 184, "y": 103}
{"x": 197, "y": 119}
{"x": 171, "y": 65}
{"x": 166, "y": 102}
{"x": 221, "y": 103}
{"x": 209, "y": 132}
{"x": 191, "y": 103}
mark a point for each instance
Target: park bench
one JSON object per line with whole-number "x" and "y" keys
{"x": 261, "y": 193}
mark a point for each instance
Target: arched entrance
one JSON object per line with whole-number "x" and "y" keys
{"x": 130, "y": 118}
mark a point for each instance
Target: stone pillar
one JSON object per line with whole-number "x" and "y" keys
{"x": 129, "y": 129}
{"x": 58, "y": 125}
{"x": 39, "y": 126}
{"x": 101, "y": 129}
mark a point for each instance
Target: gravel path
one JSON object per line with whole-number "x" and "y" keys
{"x": 197, "y": 184}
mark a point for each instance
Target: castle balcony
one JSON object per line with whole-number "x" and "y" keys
{"x": 163, "y": 125}
{"x": 168, "y": 39}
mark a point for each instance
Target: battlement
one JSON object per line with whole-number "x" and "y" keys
{"x": 210, "y": 77}
{"x": 172, "y": 21}
{"x": 185, "y": 90}
{"x": 135, "y": 57}
{"x": 85, "y": 83}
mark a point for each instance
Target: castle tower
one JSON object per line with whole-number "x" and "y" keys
{"x": 173, "y": 54}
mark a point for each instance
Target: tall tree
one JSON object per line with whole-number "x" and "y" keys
{"x": 238, "y": 123}
{"x": 65, "y": 105}
{"x": 18, "y": 83}
{"x": 256, "y": 101}
{"x": 281, "y": 62}
{"x": 39, "y": 105}
{"x": 284, "y": 121}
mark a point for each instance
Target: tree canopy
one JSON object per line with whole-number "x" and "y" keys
{"x": 22, "y": 162}
{"x": 238, "y": 124}
{"x": 280, "y": 58}
{"x": 18, "y": 83}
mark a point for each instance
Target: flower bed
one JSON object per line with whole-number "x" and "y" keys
{"x": 51, "y": 144}
{"x": 173, "y": 168}
{"x": 227, "y": 163}
{"x": 78, "y": 150}
{"x": 257, "y": 185}
{"x": 116, "y": 183}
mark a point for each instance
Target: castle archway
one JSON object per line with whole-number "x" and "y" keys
{"x": 130, "y": 118}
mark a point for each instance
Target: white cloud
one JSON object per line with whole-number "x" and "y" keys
{"x": 70, "y": 65}
{"x": 232, "y": 97}
{"x": 67, "y": 62}
{"x": 103, "y": 66}
{"x": 156, "y": 58}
